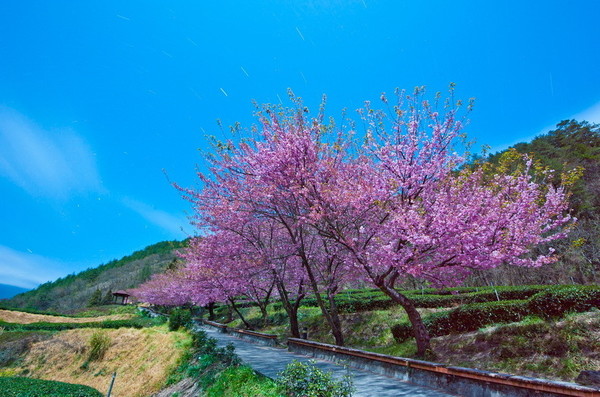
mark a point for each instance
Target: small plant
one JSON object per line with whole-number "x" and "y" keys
{"x": 242, "y": 382}
{"x": 99, "y": 344}
{"x": 306, "y": 380}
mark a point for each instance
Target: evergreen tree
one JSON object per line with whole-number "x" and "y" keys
{"x": 108, "y": 298}
{"x": 95, "y": 299}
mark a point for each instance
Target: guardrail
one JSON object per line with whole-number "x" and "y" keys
{"x": 462, "y": 381}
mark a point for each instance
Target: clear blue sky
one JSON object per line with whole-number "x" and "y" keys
{"x": 98, "y": 97}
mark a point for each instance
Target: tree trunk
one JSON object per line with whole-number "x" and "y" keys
{"x": 420, "y": 332}
{"x": 234, "y": 306}
{"x": 290, "y": 308}
{"x": 263, "y": 303}
{"x": 335, "y": 319}
{"x": 334, "y": 324}
{"x": 211, "y": 311}
{"x": 293, "y": 319}
{"x": 264, "y": 315}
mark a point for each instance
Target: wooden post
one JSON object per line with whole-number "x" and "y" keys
{"x": 112, "y": 382}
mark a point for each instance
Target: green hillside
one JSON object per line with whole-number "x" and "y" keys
{"x": 570, "y": 146}
{"x": 75, "y": 291}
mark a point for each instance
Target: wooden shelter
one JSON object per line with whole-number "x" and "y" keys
{"x": 121, "y": 295}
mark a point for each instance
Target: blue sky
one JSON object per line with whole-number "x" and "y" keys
{"x": 97, "y": 98}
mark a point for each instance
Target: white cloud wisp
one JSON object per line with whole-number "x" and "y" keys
{"x": 46, "y": 163}
{"x": 170, "y": 223}
{"x": 27, "y": 270}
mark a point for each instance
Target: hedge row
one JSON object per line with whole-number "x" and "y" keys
{"x": 357, "y": 301}
{"x": 31, "y": 310}
{"x": 44, "y": 326}
{"x": 486, "y": 295}
{"x": 27, "y": 387}
{"x": 553, "y": 302}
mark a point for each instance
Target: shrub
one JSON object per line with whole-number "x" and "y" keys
{"x": 99, "y": 344}
{"x": 444, "y": 298}
{"x": 28, "y": 387}
{"x": 476, "y": 315}
{"x": 306, "y": 380}
{"x": 242, "y": 382}
{"x": 351, "y": 301}
{"x": 206, "y": 345}
{"x": 179, "y": 318}
{"x": 205, "y": 361}
{"x": 465, "y": 318}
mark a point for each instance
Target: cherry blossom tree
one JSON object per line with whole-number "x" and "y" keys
{"x": 400, "y": 207}
{"x": 396, "y": 205}
{"x": 164, "y": 289}
{"x": 223, "y": 268}
{"x": 264, "y": 180}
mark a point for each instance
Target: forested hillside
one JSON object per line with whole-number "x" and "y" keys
{"x": 76, "y": 291}
{"x": 572, "y": 145}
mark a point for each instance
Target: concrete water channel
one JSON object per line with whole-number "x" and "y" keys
{"x": 270, "y": 361}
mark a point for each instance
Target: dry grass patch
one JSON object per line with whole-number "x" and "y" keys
{"x": 11, "y": 316}
{"x": 142, "y": 359}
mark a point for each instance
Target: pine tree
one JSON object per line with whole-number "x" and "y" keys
{"x": 108, "y": 298}
{"x": 95, "y": 299}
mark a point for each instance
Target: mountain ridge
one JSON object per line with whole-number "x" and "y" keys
{"x": 73, "y": 292}
{"x": 8, "y": 291}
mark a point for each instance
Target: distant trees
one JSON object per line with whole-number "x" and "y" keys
{"x": 95, "y": 299}
{"x": 337, "y": 209}
{"x": 573, "y": 147}
{"x": 108, "y": 298}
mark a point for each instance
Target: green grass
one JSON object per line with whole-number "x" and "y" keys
{"x": 405, "y": 349}
{"x": 242, "y": 381}
{"x": 28, "y": 387}
{"x": 553, "y": 349}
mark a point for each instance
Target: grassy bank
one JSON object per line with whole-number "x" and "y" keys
{"x": 142, "y": 358}
{"x": 216, "y": 372}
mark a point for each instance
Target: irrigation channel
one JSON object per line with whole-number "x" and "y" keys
{"x": 381, "y": 375}
{"x": 269, "y": 361}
